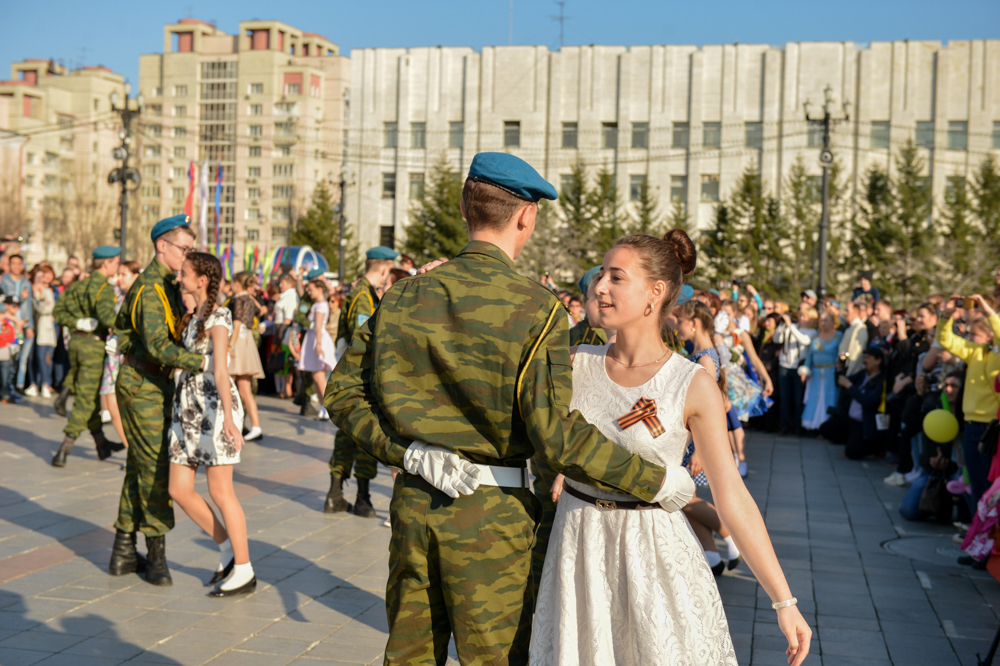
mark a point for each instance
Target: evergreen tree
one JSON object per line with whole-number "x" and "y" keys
{"x": 907, "y": 268}
{"x": 802, "y": 209}
{"x": 608, "y": 221}
{"x": 319, "y": 228}
{"x": 986, "y": 201}
{"x": 436, "y": 227}
{"x": 646, "y": 219}
{"x": 871, "y": 228}
{"x": 760, "y": 234}
{"x": 545, "y": 250}
{"x": 574, "y": 206}
{"x": 721, "y": 245}
{"x": 960, "y": 234}
{"x": 679, "y": 217}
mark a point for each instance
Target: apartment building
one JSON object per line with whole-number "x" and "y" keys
{"x": 687, "y": 118}
{"x": 265, "y": 106}
{"x": 60, "y": 130}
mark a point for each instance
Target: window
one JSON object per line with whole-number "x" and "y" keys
{"x": 284, "y": 150}
{"x": 640, "y": 135}
{"x": 512, "y": 134}
{"x": 180, "y": 91}
{"x": 815, "y": 137}
{"x": 284, "y": 129}
{"x": 387, "y": 236}
{"x": 281, "y": 213}
{"x": 418, "y": 135}
{"x": 158, "y": 91}
{"x": 154, "y": 131}
{"x": 456, "y": 134}
{"x": 709, "y": 187}
{"x": 256, "y": 88}
{"x": 31, "y": 158}
{"x": 609, "y": 135}
{"x": 570, "y": 135}
{"x": 218, "y": 90}
{"x": 958, "y": 135}
{"x": 178, "y": 172}
{"x": 284, "y": 170}
{"x": 279, "y": 233}
{"x": 253, "y": 234}
{"x": 924, "y": 136}
{"x": 390, "y": 134}
{"x": 151, "y": 191}
{"x": 177, "y": 210}
{"x": 711, "y": 136}
{"x": 151, "y": 171}
{"x": 679, "y": 189}
{"x": 253, "y": 213}
{"x": 253, "y": 192}
{"x": 880, "y": 134}
{"x": 29, "y": 181}
{"x": 293, "y": 88}
{"x": 996, "y": 134}
{"x": 389, "y": 185}
{"x": 180, "y": 132}
{"x": 286, "y": 109}
{"x": 222, "y": 69}
{"x": 178, "y": 193}
{"x": 29, "y": 203}
{"x": 754, "y": 138}
{"x": 253, "y": 172}
{"x": 156, "y": 109}
{"x": 416, "y": 185}
{"x": 256, "y": 109}
{"x": 180, "y": 111}
{"x": 254, "y": 151}
{"x": 635, "y": 187}
{"x": 284, "y": 192}
{"x": 180, "y": 151}
{"x": 256, "y": 130}
{"x": 151, "y": 151}
{"x": 681, "y": 135}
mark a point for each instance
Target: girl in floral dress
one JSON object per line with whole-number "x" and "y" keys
{"x": 204, "y": 428}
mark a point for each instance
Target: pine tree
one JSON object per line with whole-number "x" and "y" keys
{"x": 907, "y": 269}
{"x": 608, "y": 221}
{"x": 871, "y": 227}
{"x": 986, "y": 201}
{"x": 802, "y": 212}
{"x": 646, "y": 219}
{"x": 545, "y": 250}
{"x": 679, "y": 217}
{"x": 960, "y": 234}
{"x": 759, "y": 232}
{"x": 574, "y": 207}
{"x": 319, "y": 228}
{"x": 436, "y": 227}
{"x": 721, "y": 245}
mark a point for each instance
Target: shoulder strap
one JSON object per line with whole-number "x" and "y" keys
{"x": 531, "y": 356}
{"x": 350, "y": 309}
{"x": 168, "y": 313}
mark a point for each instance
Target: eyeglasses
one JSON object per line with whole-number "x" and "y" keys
{"x": 184, "y": 249}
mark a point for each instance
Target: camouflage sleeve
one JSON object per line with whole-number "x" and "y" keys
{"x": 105, "y": 307}
{"x": 353, "y": 406}
{"x": 151, "y": 326}
{"x": 360, "y": 311}
{"x": 61, "y": 312}
{"x": 563, "y": 437}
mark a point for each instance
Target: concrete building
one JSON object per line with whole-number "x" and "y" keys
{"x": 688, "y": 118}
{"x": 266, "y": 104}
{"x": 58, "y": 133}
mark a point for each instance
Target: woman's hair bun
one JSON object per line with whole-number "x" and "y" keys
{"x": 687, "y": 255}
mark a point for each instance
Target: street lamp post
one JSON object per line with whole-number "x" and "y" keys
{"x": 124, "y": 174}
{"x": 826, "y": 161}
{"x": 339, "y": 209}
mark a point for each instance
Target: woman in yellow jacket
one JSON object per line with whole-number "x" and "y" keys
{"x": 981, "y": 353}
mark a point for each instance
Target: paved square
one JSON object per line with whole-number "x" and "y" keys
{"x": 321, "y": 578}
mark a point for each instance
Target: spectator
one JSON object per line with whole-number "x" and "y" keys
{"x": 407, "y": 265}
{"x": 866, "y": 390}
{"x": 42, "y": 303}
{"x": 576, "y": 313}
{"x": 980, "y": 403}
{"x": 11, "y": 328}
{"x": 794, "y": 340}
{"x": 73, "y": 263}
{"x": 768, "y": 350}
{"x": 768, "y": 306}
{"x": 809, "y": 298}
{"x": 819, "y": 374}
{"x": 866, "y": 288}
{"x": 244, "y": 359}
{"x": 854, "y": 341}
{"x": 16, "y": 283}
{"x": 883, "y": 311}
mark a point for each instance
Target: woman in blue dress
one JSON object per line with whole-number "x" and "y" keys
{"x": 819, "y": 374}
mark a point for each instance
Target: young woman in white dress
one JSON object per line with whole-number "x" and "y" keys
{"x": 318, "y": 352}
{"x": 628, "y": 584}
{"x": 204, "y": 430}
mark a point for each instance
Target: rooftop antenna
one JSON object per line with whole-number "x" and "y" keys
{"x": 562, "y": 20}
{"x": 510, "y": 23}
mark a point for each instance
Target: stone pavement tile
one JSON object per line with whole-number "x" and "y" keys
{"x": 99, "y": 612}
{"x": 761, "y": 656}
{"x": 37, "y": 608}
{"x": 825, "y": 622}
{"x": 42, "y": 641}
{"x": 839, "y": 660}
{"x": 104, "y": 647}
{"x": 276, "y": 645}
{"x": 896, "y": 627}
{"x": 240, "y": 658}
{"x": 835, "y": 635}
{"x": 12, "y": 657}
{"x": 176, "y": 654}
{"x": 64, "y": 659}
{"x": 300, "y": 630}
{"x": 202, "y": 603}
{"x": 173, "y": 619}
{"x": 16, "y": 621}
{"x": 72, "y": 592}
{"x": 851, "y": 649}
{"x": 207, "y": 639}
{"x": 260, "y": 611}
{"x": 228, "y": 623}
{"x": 923, "y": 655}
{"x": 138, "y": 634}
{"x": 338, "y": 652}
{"x": 138, "y": 598}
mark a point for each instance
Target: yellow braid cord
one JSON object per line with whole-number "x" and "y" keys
{"x": 350, "y": 308}
{"x": 167, "y": 311}
{"x": 531, "y": 356}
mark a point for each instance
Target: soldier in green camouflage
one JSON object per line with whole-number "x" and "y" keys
{"x": 359, "y": 306}
{"x": 87, "y": 309}
{"x": 582, "y": 333}
{"x": 148, "y": 329}
{"x": 460, "y": 377}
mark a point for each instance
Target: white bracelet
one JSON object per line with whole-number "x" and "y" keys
{"x": 784, "y": 604}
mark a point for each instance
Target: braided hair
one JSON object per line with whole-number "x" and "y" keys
{"x": 204, "y": 265}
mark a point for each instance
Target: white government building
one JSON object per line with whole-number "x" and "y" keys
{"x": 689, "y": 118}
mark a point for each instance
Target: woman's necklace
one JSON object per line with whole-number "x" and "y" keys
{"x": 642, "y": 365}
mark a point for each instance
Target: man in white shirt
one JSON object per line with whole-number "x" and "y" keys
{"x": 854, "y": 342}
{"x": 794, "y": 345}
{"x": 288, "y": 302}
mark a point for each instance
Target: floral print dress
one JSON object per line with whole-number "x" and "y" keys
{"x": 196, "y": 434}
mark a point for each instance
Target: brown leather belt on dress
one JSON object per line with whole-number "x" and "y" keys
{"x": 608, "y": 504}
{"x": 146, "y": 366}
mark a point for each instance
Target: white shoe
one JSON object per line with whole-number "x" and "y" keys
{"x": 31, "y": 391}
{"x": 913, "y": 475}
{"x": 254, "y": 433}
{"x": 895, "y": 479}
{"x": 105, "y": 416}
{"x": 386, "y": 523}
{"x": 323, "y": 415}
{"x": 46, "y": 392}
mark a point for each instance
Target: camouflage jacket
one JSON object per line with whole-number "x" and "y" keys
{"x": 93, "y": 298}
{"x": 359, "y": 305}
{"x": 583, "y": 334}
{"x": 302, "y": 314}
{"x": 474, "y": 358}
{"x": 148, "y": 325}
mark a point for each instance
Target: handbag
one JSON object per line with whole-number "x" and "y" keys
{"x": 988, "y": 442}
{"x": 935, "y": 499}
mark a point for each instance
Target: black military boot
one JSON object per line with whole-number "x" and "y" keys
{"x": 105, "y": 447}
{"x": 59, "y": 459}
{"x": 363, "y": 505}
{"x": 335, "y": 502}
{"x": 125, "y": 559}
{"x": 157, "y": 572}
{"x": 60, "y": 403}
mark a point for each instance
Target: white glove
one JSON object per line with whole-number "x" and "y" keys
{"x": 677, "y": 489}
{"x": 111, "y": 346}
{"x": 87, "y": 324}
{"x": 441, "y": 468}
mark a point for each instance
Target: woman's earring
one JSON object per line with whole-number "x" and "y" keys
{"x": 649, "y": 309}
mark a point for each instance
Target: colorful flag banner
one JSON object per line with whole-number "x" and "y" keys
{"x": 189, "y": 202}
{"x": 218, "y": 201}
{"x": 203, "y": 205}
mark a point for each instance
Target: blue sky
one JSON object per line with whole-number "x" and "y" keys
{"x": 114, "y": 33}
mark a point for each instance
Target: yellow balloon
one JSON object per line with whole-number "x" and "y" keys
{"x": 941, "y": 426}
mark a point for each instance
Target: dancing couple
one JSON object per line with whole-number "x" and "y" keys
{"x": 464, "y": 373}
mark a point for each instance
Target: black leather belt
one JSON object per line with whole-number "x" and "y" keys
{"x": 608, "y": 504}
{"x": 146, "y": 366}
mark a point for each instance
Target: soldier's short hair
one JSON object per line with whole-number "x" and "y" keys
{"x": 489, "y": 207}
{"x": 375, "y": 264}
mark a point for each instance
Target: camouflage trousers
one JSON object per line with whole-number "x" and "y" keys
{"x": 460, "y": 566}
{"x": 545, "y": 476}
{"x": 86, "y": 364}
{"x": 146, "y": 403}
{"x": 346, "y": 453}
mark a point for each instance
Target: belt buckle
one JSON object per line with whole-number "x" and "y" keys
{"x": 605, "y": 504}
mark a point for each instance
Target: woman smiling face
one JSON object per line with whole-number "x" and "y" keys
{"x": 623, "y": 291}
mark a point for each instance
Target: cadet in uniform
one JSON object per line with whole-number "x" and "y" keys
{"x": 460, "y": 377}
{"x": 88, "y": 310}
{"x": 359, "y": 305}
{"x": 302, "y": 319}
{"x": 148, "y": 329}
{"x": 582, "y": 333}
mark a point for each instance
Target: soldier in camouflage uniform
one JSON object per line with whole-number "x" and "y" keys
{"x": 358, "y": 307}
{"x": 88, "y": 310}
{"x": 148, "y": 329}
{"x": 460, "y": 377}
{"x": 582, "y": 333}
{"x": 302, "y": 319}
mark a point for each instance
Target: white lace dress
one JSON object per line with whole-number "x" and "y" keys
{"x": 628, "y": 587}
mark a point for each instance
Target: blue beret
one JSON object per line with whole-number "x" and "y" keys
{"x": 166, "y": 224}
{"x": 106, "y": 252}
{"x": 687, "y": 293}
{"x": 584, "y": 282}
{"x": 512, "y": 175}
{"x": 381, "y": 252}
{"x": 314, "y": 273}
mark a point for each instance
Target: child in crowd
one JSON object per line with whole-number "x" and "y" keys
{"x": 11, "y": 336}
